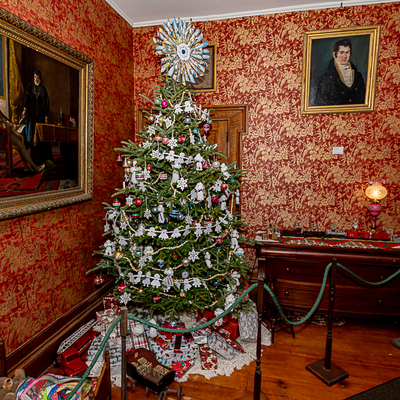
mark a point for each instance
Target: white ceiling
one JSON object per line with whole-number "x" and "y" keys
{"x": 155, "y": 12}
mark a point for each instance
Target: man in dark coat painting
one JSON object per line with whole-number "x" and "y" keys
{"x": 342, "y": 84}
{"x": 36, "y": 110}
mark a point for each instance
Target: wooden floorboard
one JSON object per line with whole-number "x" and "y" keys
{"x": 361, "y": 347}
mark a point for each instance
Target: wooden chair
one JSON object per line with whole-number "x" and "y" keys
{"x": 7, "y": 146}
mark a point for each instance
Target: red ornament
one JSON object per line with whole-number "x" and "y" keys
{"x": 224, "y": 186}
{"x": 156, "y": 299}
{"x": 118, "y": 311}
{"x": 149, "y": 168}
{"x": 206, "y": 165}
{"x": 219, "y": 240}
{"x": 121, "y": 287}
{"x": 138, "y": 202}
{"x": 215, "y": 199}
{"x": 98, "y": 280}
{"x": 175, "y": 255}
{"x": 165, "y": 140}
{"x": 164, "y": 104}
{"x": 206, "y": 127}
{"x": 181, "y": 139}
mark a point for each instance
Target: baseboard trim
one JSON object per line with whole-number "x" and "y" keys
{"x": 38, "y": 353}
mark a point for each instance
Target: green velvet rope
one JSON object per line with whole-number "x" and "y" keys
{"x": 227, "y": 311}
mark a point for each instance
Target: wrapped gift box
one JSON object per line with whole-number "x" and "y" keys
{"x": 166, "y": 356}
{"x": 181, "y": 367}
{"x": 115, "y": 333}
{"x": 110, "y": 302}
{"x": 220, "y": 345}
{"x": 108, "y": 315}
{"x": 228, "y": 323}
{"x": 248, "y": 326}
{"x": 208, "y": 356}
{"x": 201, "y": 332}
{"x": 140, "y": 341}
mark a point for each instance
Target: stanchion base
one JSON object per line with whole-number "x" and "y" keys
{"x": 334, "y": 375}
{"x": 251, "y": 397}
{"x": 396, "y": 342}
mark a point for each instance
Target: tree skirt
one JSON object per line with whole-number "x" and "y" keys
{"x": 226, "y": 367}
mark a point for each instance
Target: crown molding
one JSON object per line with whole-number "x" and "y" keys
{"x": 278, "y": 10}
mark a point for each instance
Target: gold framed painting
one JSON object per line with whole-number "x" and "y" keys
{"x": 339, "y": 70}
{"x": 46, "y": 163}
{"x": 207, "y": 82}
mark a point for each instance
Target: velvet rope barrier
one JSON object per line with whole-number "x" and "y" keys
{"x": 227, "y": 311}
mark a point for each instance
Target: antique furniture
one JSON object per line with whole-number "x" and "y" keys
{"x": 299, "y": 269}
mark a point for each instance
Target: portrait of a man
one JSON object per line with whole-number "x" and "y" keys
{"x": 339, "y": 70}
{"x": 342, "y": 83}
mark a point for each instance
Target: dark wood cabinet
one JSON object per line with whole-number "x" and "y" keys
{"x": 299, "y": 270}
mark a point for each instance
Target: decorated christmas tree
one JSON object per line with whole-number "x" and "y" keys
{"x": 172, "y": 239}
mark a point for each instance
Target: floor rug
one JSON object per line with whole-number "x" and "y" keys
{"x": 387, "y": 391}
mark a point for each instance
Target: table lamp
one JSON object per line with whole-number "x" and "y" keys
{"x": 376, "y": 192}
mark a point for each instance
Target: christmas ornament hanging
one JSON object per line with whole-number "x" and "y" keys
{"x": 98, "y": 280}
{"x": 138, "y": 202}
{"x": 149, "y": 168}
{"x": 224, "y": 186}
{"x": 164, "y": 104}
{"x": 118, "y": 255}
{"x": 156, "y": 299}
{"x": 185, "y": 262}
{"x": 121, "y": 287}
{"x": 219, "y": 240}
{"x": 165, "y": 140}
{"x": 181, "y": 139}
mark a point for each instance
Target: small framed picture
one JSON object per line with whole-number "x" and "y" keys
{"x": 339, "y": 70}
{"x": 207, "y": 82}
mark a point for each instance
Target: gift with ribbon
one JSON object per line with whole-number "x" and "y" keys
{"x": 105, "y": 319}
{"x": 248, "y": 326}
{"x": 178, "y": 350}
{"x": 110, "y": 302}
{"x": 228, "y": 323}
{"x": 221, "y": 346}
{"x": 181, "y": 367}
{"x": 138, "y": 335}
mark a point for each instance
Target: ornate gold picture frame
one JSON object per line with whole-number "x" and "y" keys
{"x": 339, "y": 70}
{"x": 68, "y": 76}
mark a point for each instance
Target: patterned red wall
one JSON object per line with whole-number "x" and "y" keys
{"x": 44, "y": 257}
{"x": 292, "y": 174}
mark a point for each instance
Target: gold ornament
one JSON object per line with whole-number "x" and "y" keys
{"x": 118, "y": 255}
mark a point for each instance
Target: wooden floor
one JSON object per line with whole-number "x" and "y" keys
{"x": 360, "y": 347}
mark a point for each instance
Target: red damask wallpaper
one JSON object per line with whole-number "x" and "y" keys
{"x": 44, "y": 257}
{"x": 292, "y": 174}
